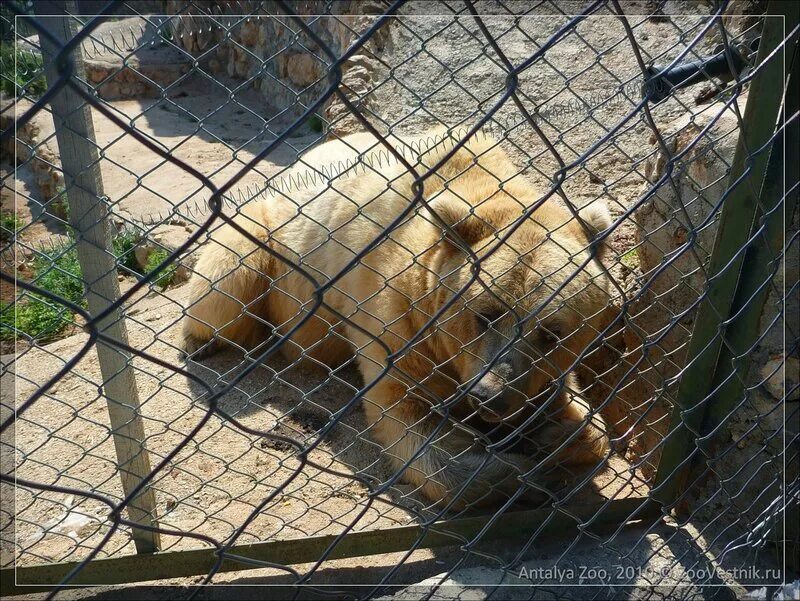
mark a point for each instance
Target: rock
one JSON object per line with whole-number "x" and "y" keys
{"x": 550, "y": 572}
{"x": 169, "y": 238}
{"x": 241, "y": 68}
{"x": 466, "y": 585}
{"x": 97, "y": 74}
{"x": 249, "y": 33}
{"x": 358, "y": 73}
{"x": 266, "y": 37}
{"x": 109, "y": 90}
{"x": 281, "y": 62}
{"x": 640, "y": 383}
{"x": 142, "y": 253}
{"x": 700, "y": 179}
{"x": 359, "y": 60}
{"x": 781, "y": 375}
{"x": 35, "y": 142}
{"x": 303, "y": 69}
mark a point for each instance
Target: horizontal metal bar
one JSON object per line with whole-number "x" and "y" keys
{"x": 683, "y": 75}
{"x": 176, "y": 564}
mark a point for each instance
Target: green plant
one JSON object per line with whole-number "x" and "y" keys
{"x": 11, "y": 28}
{"x": 155, "y": 258}
{"x": 36, "y": 316}
{"x": 124, "y": 247}
{"x": 10, "y": 223}
{"x": 6, "y": 321}
{"x": 630, "y": 259}
{"x": 59, "y": 272}
{"x": 59, "y": 205}
{"x": 21, "y": 72}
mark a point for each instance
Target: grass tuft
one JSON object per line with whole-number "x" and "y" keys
{"x": 58, "y": 271}
{"x": 10, "y": 224}
{"x": 21, "y": 72}
{"x": 155, "y": 258}
{"x": 630, "y": 259}
{"x": 36, "y": 316}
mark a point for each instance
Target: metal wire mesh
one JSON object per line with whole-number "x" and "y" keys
{"x": 483, "y": 295}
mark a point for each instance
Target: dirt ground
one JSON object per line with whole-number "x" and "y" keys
{"x": 220, "y": 477}
{"x": 223, "y": 474}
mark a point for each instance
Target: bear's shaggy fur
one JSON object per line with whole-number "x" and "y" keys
{"x": 242, "y": 295}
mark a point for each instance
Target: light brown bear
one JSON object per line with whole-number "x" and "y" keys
{"x": 241, "y": 295}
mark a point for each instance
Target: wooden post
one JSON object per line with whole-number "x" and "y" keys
{"x": 89, "y": 216}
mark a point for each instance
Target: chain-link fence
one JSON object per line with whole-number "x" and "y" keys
{"x": 286, "y": 283}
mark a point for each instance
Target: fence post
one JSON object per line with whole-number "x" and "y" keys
{"x": 762, "y": 257}
{"x": 736, "y": 221}
{"x": 89, "y": 216}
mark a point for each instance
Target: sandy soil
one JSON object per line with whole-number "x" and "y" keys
{"x": 218, "y": 479}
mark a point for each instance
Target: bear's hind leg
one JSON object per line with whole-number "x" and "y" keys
{"x": 226, "y": 300}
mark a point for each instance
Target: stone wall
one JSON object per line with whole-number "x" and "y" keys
{"x": 34, "y": 143}
{"x": 283, "y": 63}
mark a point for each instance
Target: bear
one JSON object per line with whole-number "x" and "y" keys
{"x": 457, "y": 333}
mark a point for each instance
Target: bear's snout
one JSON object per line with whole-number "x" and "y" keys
{"x": 487, "y": 396}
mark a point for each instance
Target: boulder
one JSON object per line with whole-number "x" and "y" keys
{"x": 780, "y": 376}
{"x": 303, "y": 69}
{"x": 675, "y": 231}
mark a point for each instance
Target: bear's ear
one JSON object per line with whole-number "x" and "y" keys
{"x": 598, "y": 219}
{"x": 461, "y": 218}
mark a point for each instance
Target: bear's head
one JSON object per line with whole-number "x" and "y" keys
{"x": 524, "y": 310}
